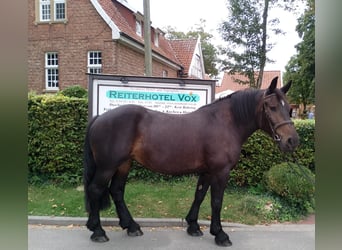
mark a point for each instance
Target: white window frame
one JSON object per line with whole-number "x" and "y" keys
{"x": 196, "y": 68}
{"x": 44, "y": 10}
{"x": 94, "y": 62}
{"x": 51, "y": 71}
{"x": 48, "y": 10}
{"x": 156, "y": 39}
{"x": 138, "y": 27}
{"x": 56, "y": 2}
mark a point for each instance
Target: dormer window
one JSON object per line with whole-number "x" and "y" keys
{"x": 139, "y": 23}
{"x": 156, "y": 39}
{"x": 138, "y": 27}
{"x": 157, "y": 33}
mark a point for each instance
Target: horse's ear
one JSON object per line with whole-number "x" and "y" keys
{"x": 286, "y": 88}
{"x": 273, "y": 85}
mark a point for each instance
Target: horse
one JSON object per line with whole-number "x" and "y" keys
{"x": 206, "y": 142}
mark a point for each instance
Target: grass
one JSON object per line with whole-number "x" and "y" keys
{"x": 160, "y": 200}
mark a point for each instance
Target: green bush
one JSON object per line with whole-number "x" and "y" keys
{"x": 56, "y": 129}
{"x": 74, "y": 91}
{"x": 293, "y": 184}
{"x": 260, "y": 153}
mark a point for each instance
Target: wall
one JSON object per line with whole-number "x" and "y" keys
{"x": 84, "y": 30}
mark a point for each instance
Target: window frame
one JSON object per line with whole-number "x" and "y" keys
{"x": 51, "y": 71}
{"x": 196, "y": 69}
{"x": 97, "y": 67}
{"x": 52, "y": 9}
{"x": 55, "y": 10}
{"x": 138, "y": 27}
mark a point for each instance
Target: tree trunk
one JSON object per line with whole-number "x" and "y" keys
{"x": 263, "y": 44}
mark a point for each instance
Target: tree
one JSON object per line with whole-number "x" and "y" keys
{"x": 246, "y": 34}
{"x": 301, "y": 67}
{"x": 208, "y": 49}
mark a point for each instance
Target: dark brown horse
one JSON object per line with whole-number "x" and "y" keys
{"x": 207, "y": 141}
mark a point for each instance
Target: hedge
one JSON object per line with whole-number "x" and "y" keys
{"x": 260, "y": 153}
{"x": 56, "y": 130}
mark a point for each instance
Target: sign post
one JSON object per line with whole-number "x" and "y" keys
{"x": 168, "y": 95}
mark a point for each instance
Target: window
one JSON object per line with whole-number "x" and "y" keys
{"x": 95, "y": 62}
{"x": 156, "y": 39}
{"x": 52, "y": 10}
{"x": 138, "y": 27}
{"x": 59, "y": 9}
{"x": 196, "y": 68}
{"x": 165, "y": 73}
{"x": 45, "y": 10}
{"x": 51, "y": 71}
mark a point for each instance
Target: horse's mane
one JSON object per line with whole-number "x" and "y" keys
{"x": 242, "y": 104}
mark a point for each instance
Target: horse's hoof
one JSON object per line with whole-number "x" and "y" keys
{"x": 195, "y": 233}
{"x": 99, "y": 238}
{"x": 137, "y": 232}
{"x": 223, "y": 240}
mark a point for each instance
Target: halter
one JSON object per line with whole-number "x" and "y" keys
{"x": 274, "y": 127}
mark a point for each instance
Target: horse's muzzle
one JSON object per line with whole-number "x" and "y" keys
{"x": 289, "y": 144}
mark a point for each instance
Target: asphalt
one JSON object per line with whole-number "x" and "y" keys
{"x": 59, "y": 233}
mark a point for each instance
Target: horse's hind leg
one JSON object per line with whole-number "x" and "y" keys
{"x": 98, "y": 199}
{"x": 117, "y": 190}
{"x": 192, "y": 217}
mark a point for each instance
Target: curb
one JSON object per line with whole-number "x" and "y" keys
{"x": 165, "y": 222}
{"x": 143, "y": 222}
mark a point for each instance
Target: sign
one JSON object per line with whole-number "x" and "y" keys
{"x": 168, "y": 95}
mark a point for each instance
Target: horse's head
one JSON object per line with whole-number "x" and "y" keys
{"x": 276, "y": 120}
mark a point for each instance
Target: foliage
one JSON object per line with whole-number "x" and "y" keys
{"x": 288, "y": 181}
{"x": 56, "y": 128}
{"x": 301, "y": 67}
{"x": 247, "y": 31}
{"x": 260, "y": 153}
{"x": 74, "y": 91}
{"x": 208, "y": 50}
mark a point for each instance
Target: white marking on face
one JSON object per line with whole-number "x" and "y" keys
{"x": 282, "y": 103}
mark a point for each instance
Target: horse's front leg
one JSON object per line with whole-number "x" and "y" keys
{"x": 218, "y": 185}
{"x": 192, "y": 217}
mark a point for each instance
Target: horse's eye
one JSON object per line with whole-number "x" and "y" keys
{"x": 273, "y": 109}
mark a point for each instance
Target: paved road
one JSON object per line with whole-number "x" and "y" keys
{"x": 279, "y": 237}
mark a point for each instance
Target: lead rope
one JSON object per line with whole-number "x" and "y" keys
{"x": 301, "y": 168}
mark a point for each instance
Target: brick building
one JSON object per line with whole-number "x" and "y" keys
{"x": 67, "y": 39}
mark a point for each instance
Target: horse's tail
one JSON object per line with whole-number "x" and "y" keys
{"x": 89, "y": 172}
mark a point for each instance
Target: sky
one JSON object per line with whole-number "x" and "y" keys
{"x": 185, "y": 14}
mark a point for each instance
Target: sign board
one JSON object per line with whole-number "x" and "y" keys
{"x": 168, "y": 95}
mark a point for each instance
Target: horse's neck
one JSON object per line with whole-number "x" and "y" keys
{"x": 252, "y": 123}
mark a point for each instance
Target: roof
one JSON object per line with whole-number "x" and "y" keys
{"x": 122, "y": 19}
{"x": 228, "y": 85}
{"x": 184, "y": 49}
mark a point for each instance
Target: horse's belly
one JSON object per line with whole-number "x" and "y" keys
{"x": 169, "y": 161}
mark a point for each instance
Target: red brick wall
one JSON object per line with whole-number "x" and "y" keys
{"x": 84, "y": 30}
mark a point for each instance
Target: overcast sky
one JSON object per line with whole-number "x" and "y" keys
{"x": 185, "y": 14}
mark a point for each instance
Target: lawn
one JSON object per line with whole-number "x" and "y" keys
{"x": 160, "y": 200}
